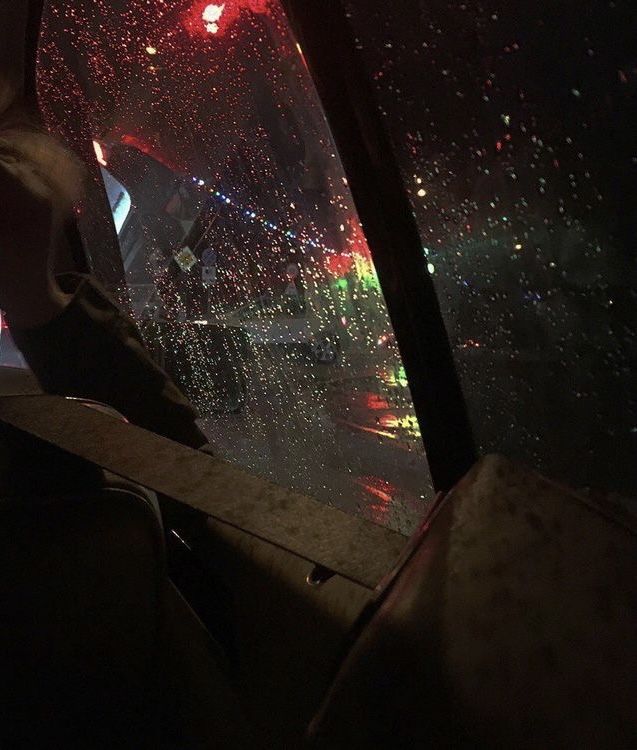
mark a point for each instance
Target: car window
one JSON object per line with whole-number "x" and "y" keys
{"x": 10, "y": 355}
{"x": 514, "y": 126}
{"x": 244, "y": 258}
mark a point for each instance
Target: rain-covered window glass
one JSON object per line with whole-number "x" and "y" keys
{"x": 9, "y": 353}
{"x": 515, "y": 125}
{"x": 244, "y": 259}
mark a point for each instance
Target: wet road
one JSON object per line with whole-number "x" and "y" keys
{"x": 345, "y": 434}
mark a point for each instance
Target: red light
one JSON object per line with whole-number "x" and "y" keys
{"x": 214, "y": 19}
{"x": 338, "y": 264}
{"x": 150, "y": 150}
{"x": 375, "y": 402}
{"x": 380, "y": 488}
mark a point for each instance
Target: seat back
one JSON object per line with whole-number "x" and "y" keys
{"x": 511, "y": 626}
{"x": 82, "y": 579}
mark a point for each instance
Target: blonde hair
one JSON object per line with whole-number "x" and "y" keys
{"x": 23, "y": 139}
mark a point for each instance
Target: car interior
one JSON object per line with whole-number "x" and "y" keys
{"x": 423, "y": 535}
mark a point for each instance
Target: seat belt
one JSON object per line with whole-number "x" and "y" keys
{"x": 351, "y": 547}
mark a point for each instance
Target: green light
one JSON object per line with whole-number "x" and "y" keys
{"x": 401, "y": 377}
{"x": 370, "y": 283}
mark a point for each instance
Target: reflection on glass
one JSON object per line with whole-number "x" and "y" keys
{"x": 245, "y": 261}
{"x": 10, "y": 356}
{"x": 514, "y": 124}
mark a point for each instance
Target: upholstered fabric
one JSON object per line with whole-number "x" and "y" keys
{"x": 512, "y": 626}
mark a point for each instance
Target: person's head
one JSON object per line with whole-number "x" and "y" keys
{"x": 40, "y": 180}
{"x": 23, "y": 141}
